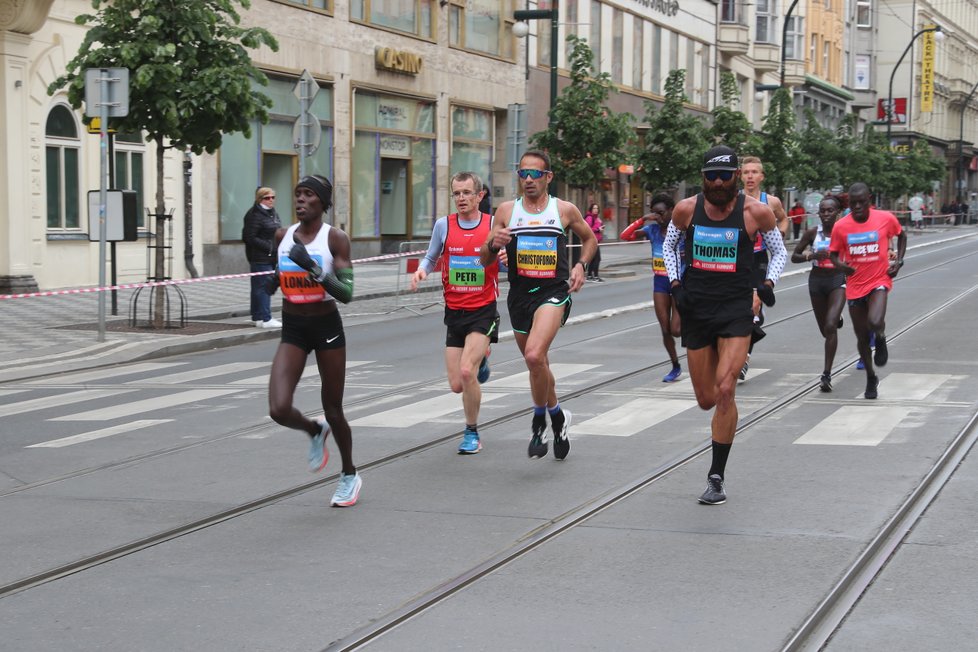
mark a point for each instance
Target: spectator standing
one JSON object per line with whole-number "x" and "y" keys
{"x": 797, "y": 215}
{"x": 594, "y": 222}
{"x": 260, "y": 224}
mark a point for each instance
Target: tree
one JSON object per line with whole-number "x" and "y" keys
{"x": 731, "y": 127}
{"x": 584, "y": 138}
{"x": 818, "y": 163}
{"x": 779, "y": 141}
{"x": 921, "y": 169}
{"x": 190, "y": 76}
{"x": 675, "y": 142}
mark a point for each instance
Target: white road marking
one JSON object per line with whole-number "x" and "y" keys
{"x": 59, "y": 400}
{"x": 99, "y": 434}
{"x": 146, "y": 405}
{"x": 632, "y": 417}
{"x": 910, "y": 387}
{"x": 10, "y": 392}
{"x": 310, "y": 371}
{"x": 198, "y": 374}
{"x": 685, "y": 384}
{"x": 522, "y": 380}
{"x": 419, "y": 412}
{"x": 102, "y": 374}
{"x": 855, "y": 425}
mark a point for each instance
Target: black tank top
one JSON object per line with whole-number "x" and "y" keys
{"x": 719, "y": 254}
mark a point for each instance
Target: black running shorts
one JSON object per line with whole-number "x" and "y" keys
{"x": 825, "y": 284}
{"x": 313, "y": 332}
{"x": 460, "y": 323}
{"x": 708, "y": 319}
{"x": 522, "y": 306}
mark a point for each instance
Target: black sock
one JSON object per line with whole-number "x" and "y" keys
{"x": 557, "y": 419}
{"x": 720, "y": 453}
{"x": 472, "y": 427}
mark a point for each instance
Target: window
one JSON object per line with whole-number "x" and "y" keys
{"x": 324, "y": 5}
{"x": 656, "y": 59}
{"x": 813, "y": 54}
{"x": 61, "y": 160}
{"x": 729, "y": 11}
{"x": 484, "y": 26}
{"x": 767, "y": 21}
{"x": 673, "y": 51}
{"x": 825, "y": 58}
{"x": 472, "y": 136}
{"x": 569, "y": 14}
{"x": 638, "y": 59}
{"x": 690, "y": 69}
{"x": 864, "y": 13}
{"x": 129, "y": 153}
{"x": 794, "y": 46}
{"x": 617, "y": 45}
{"x": 409, "y": 16}
{"x": 595, "y": 38}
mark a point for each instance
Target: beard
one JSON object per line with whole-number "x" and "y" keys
{"x": 720, "y": 196}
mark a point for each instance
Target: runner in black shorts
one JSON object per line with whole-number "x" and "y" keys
{"x": 826, "y": 284}
{"x": 715, "y": 295}
{"x": 534, "y": 230}
{"x": 470, "y": 291}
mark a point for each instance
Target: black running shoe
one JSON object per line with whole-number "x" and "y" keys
{"x": 743, "y": 371}
{"x": 825, "y": 382}
{"x": 841, "y": 322}
{"x": 872, "y": 382}
{"x": 881, "y": 356}
{"x": 562, "y": 438}
{"x": 714, "y": 494}
{"x": 538, "y": 442}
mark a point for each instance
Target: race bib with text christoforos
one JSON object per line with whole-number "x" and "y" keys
{"x": 536, "y": 256}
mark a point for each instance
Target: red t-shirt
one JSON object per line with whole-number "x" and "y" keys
{"x": 865, "y": 246}
{"x": 797, "y": 213}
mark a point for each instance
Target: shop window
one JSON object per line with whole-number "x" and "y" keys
{"x": 472, "y": 137}
{"x": 484, "y": 26}
{"x": 61, "y": 145}
{"x": 409, "y": 16}
{"x": 128, "y": 172}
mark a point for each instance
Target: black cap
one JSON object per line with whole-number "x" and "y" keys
{"x": 720, "y": 157}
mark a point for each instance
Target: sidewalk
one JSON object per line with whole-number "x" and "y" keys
{"x": 53, "y": 334}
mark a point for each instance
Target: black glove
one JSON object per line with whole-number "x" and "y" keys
{"x": 757, "y": 333}
{"x": 766, "y": 294}
{"x": 681, "y": 298}
{"x": 272, "y": 282}
{"x": 301, "y": 257}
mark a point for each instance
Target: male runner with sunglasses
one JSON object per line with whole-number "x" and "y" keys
{"x": 715, "y": 293}
{"x": 533, "y": 229}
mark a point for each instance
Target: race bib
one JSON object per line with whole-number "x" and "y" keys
{"x": 715, "y": 248}
{"x": 296, "y": 284}
{"x": 863, "y": 247}
{"x": 465, "y": 274}
{"x": 658, "y": 262}
{"x": 536, "y": 256}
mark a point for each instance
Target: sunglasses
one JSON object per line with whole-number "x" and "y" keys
{"x": 532, "y": 174}
{"x": 723, "y": 175}
{"x": 269, "y": 197}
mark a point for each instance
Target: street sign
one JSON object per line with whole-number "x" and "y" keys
{"x": 306, "y": 88}
{"x": 116, "y": 98}
{"x": 306, "y": 143}
{"x": 95, "y": 127}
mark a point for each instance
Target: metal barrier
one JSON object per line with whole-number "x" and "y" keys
{"x": 404, "y": 297}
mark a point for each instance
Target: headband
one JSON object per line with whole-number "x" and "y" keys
{"x": 322, "y": 190}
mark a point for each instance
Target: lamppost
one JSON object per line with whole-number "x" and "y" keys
{"x": 521, "y": 29}
{"x": 961, "y": 182}
{"x": 889, "y": 98}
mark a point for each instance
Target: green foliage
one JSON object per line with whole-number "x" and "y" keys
{"x": 584, "y": 137}
{"x": 779, "y": 145}
{"x": 675, "y": 142}
{"x": 731, "y": 127}
{"x": 921, "y": 168}
{"x": 190, "y": 75}
{"x": 819, "y": 160}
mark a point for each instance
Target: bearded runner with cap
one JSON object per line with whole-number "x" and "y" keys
{"x": 714, "y": 295}
{"x": 315, "y": 272}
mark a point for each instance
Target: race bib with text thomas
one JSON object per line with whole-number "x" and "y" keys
{"x": 715, "y": 248}
{"x": 536, "y": 256}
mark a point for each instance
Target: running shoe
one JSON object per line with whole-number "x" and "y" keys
{"x": 470, "y": 443}
{"x": 841, "y": 322}
{"x": 318, "y": 453}
{"x": 538, "y": 441}
{"x": 673, "y": 375}
{"x": 562, "y": 438}
{"x": 743, "y": 371}
{"x": 347, "y": 491}
{"x": 825, "y": 382}
{"x": 872, "y": 383}
{"x": 882, "y": 355}
{"x": 860, "y": 365}
{"x": 714, "y": 494}
{"x": 484, "y": 370}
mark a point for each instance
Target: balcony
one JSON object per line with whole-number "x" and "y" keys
{"x": 767, "y": 57}
{"x": 794, "y": 72}
{"x": 732, "y": 39}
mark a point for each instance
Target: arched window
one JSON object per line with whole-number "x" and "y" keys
{"x": 129, "y": 157}
{"x": 61, "y": 160}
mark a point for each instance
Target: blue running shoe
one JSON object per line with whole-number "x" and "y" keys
{"x": 347, "y": 491}
{"x": 471, "y": 443}
{"x": 318, "y": 453}
{"x": 484, "y": 370}
{"x": 860, "y": 365}
{"x": 673, "y": 375}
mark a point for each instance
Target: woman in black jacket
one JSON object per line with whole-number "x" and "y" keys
{"x": 260, "y": 224}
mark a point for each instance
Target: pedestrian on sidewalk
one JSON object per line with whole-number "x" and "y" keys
{"x": 470, "y": 298}
{"x": 533, "y": 229}
{"x": 797, "y": 215}
{"x": 316, "y": 271}
{"x": 258, "y": 233}
{"x": 594, "y": 222}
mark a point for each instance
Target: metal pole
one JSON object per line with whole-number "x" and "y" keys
{"x": 554, "y": 32}
{"x": 303, "y": 127}
{"x": 784, "y": 38}
{"x": 103, "y": 83}
{"x": 889, "y": 97}
{"x": 964, "y": 107}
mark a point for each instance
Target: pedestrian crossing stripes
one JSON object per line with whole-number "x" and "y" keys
{"x": 104, "y": 374}
{"x": 632, "y": 417}
{"x": 80, "y": 396}
{"x": 146, "y": 405}
{"x": 122, "y": 428}
{"x": 311, "y": 371}
{"x": 910, "y": 387}
{"x": 855, "y": 426}
{"x": 418, "y": 412}
{"x": 198, "y": 374}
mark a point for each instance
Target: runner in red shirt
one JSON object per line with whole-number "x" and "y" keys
{"x": 860, "y": 248}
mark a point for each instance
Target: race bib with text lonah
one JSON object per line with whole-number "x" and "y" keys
{"x": 863, "y": 247}
{"x": 536, "y": 256}
{"x": 715, "y": 248}
{"x": 296, "y": 284}
{"x": 465, "y": 274}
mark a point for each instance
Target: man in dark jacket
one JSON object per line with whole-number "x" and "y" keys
{"x": 260, "y": 224}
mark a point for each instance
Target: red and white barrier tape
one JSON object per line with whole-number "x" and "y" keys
{"x": 150, "y": 284}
